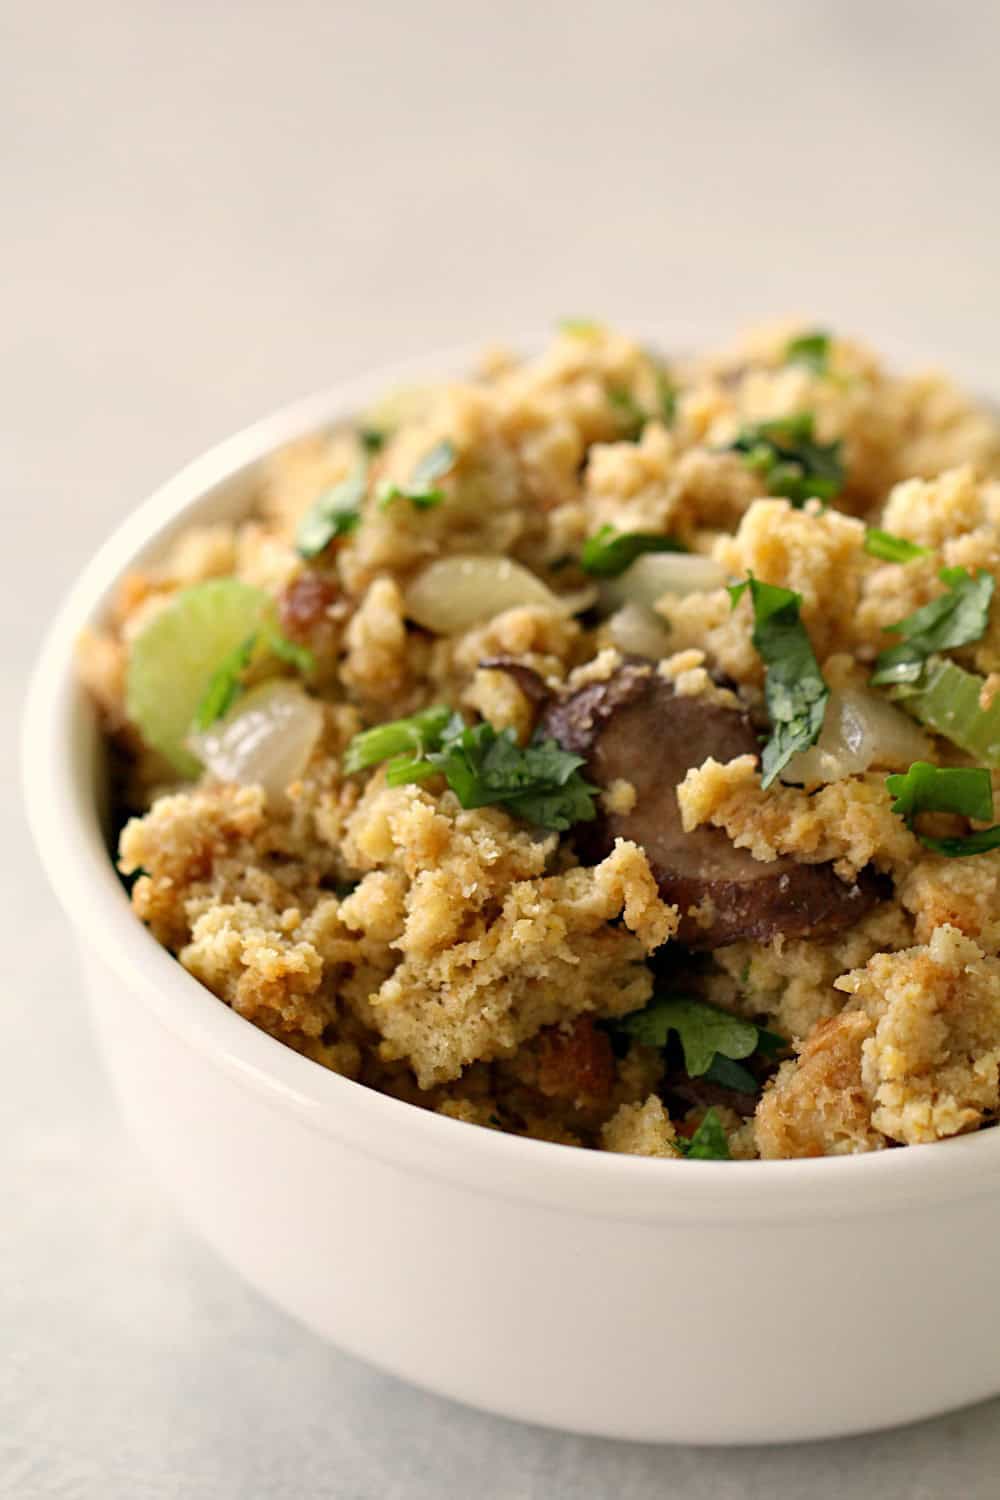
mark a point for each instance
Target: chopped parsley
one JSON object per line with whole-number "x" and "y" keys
{"x": 373, "y": 439}
{"x": 540, "y": 783}
{"x": 794, "y": 690}
{"x": 299, "y": 657}
{"x": 712, "y": 1040}
{"x": 709, "y": 1142}
{"x": 811, "y": 350}
{"x": 631, "y": 415}
{"x": 967, "y": 790}
{"x": 336, "y": 513}
{"x": 790, "y": 460}
{"x": 226, "y": 683}
{"x": 889, "y": 548}
{"x": 421, "y": 490}
{"x": 609, "y": 552}
{"x": 403, "y": 737}
{"x": 955, "y": 618}
{"x": 666, "y": 393}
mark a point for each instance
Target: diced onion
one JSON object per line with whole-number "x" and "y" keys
{"x": 659, "y": 573}
{"x": 265, "y": 740}
{"x": 456, "y": 593}
{"x": 637, "y": 631}
{"x": 860, "y": 730}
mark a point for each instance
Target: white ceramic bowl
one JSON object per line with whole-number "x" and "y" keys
{"x": 705, "y": 1302}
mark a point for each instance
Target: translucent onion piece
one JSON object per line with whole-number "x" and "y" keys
{"x": 265, "y": 740}
{"x": 860, "y": 730}
{"x": 637, "y": 631}
{"x": 456, "y": 593}
{"x": 659, "y": 573}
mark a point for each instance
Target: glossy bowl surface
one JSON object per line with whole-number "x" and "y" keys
{"x": 704, "y": 1302}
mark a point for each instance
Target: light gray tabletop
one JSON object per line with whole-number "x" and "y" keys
{"x": 210, "y": 208}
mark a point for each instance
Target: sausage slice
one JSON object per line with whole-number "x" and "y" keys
{"x": 636, "y": 727}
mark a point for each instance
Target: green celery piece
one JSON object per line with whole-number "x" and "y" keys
{"x": 174, "y": 660}
{"x": 946, "y": 700}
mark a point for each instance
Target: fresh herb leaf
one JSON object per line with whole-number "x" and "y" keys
{"x": 631, "y": 414}
{"x": 966, "y": 790}
{"x": 709, "y": 1142}
{"x": 980, "y": 842}
{"x": 299, "y": 657}
{"x": 811, "y": 350}
{"x": 953, "y": 619}
{"x": 609, "y": 552}
{"x": 792, "y": 463}
{"x": 730, "y": 1075}
{"x": 581, "y": 328}
{"x": 421, "y": 490}
{"x": 666, "y": 394}
{"x": 540, "y": 783}
{"x": 372, "y": 439}
{"x": 416, "y": 734}
{"x": 794, "y": 690}
{"x": 225, "y": 684}
{"x": 704, "y": 1030}
{"x": 769, "y": 1042}
{"x": 336, "y": 513}
{"x": 894, "y": 549}
{"x": 955, "y": 789}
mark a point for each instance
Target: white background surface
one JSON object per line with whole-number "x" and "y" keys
{"x": 208, "y": 208}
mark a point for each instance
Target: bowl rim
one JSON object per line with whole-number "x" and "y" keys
{"x": 64, "y": 823}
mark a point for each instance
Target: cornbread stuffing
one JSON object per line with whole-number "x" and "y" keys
{"x": 600, "y": 749}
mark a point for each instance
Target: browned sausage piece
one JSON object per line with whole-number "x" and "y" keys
{"x": 635, "y": 727}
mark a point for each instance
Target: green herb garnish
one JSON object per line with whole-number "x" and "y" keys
{"x": 666, "y": 393}
{"x": 966, "y": 790}
{"x": 629, "y": 412}
{"x": 225, "y": 684}
{"x": 790, "y": 461}
{"x": 609, "y": 552}
{"x": 299, "y": 657}
{"x": 373, "y": 439}
{"x": 414, "y": 735}
{"x": 421, "y": 490}
{"x": 889, "y": 548}
{"x": 955, "y": 618}
{"x": 336, "y": 513}
{"x": 704, "y": 1030}
{"x": 811, "y": 350}
{"x": 540, "y": 783}
{"x": 794, "y": 690}
{"x": 709, "y": 1142}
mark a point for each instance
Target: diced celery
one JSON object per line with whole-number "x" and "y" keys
{"x": 946, "y": 699}
{"x": 173, "y": 659}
